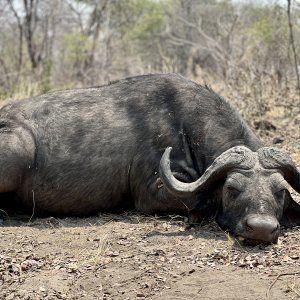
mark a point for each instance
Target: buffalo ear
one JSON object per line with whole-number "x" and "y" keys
{"x": 291, "y": 216}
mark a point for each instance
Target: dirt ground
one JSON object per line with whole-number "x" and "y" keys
{"x": 133, "y": 256}
{"x": 137, "y": 257}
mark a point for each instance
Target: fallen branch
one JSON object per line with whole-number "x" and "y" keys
{"x": 277, "y": 277}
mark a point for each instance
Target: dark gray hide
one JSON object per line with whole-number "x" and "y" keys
{"x": 78, "y": 152}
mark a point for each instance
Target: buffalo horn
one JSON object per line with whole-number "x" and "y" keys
{"x": 238, "y": 156}
{"x": 272, "y": 158}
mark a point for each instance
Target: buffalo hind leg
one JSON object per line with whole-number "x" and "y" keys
{"x": 17, "y": 150}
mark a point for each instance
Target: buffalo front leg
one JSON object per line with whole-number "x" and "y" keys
{"x": 155, "y": 198}
{"x": 148, "y": 191}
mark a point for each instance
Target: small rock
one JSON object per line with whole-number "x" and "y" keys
{"x": 112, "y": 253}
{"x": 286, "y": 258}
{"x": 278, "y": 140}
{"x": 140, "y": 295}
{"x": 260, "y": 266}
{"x": 264, "y": 125}
{"x": 28, "y": 264}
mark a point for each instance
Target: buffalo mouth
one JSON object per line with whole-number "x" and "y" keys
{"x": 252, "y": 240}
{"x": 255, "y": 242}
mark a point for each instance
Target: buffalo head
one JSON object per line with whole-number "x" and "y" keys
{"x": 253, "y": 191}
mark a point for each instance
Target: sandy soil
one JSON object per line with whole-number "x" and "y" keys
{"x": 133, "y": 256}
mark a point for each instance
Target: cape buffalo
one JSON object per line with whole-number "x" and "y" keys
{"x": 78, "y": 152}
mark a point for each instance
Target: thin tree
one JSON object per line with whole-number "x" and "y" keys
{"x": 20, "y": 28}
{"x": 293, "y": 43}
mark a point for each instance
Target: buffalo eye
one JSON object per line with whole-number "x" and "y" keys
{"x": 232, "y": 190}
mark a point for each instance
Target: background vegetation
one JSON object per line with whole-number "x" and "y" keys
{"x": 242, "y": 48}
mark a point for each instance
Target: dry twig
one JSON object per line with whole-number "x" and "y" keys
{"x": 277, "y": 277}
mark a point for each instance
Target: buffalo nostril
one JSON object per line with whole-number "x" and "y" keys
{"x": 276, "y": 228}
{"x": 248, "y": 227}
